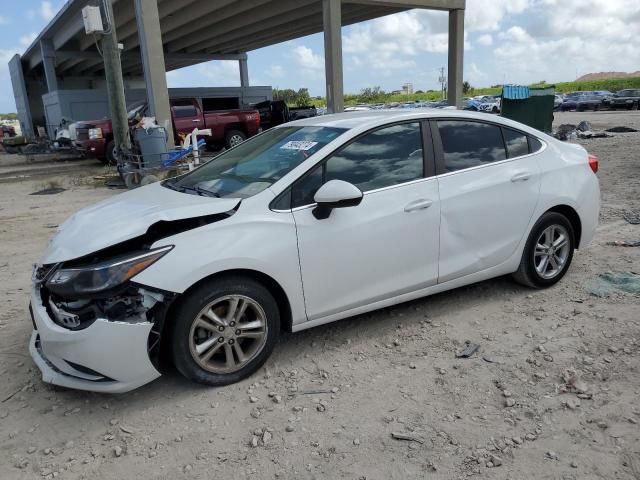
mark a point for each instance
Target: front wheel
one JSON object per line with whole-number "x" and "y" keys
{"x": 225, "y": 329}
{"x": 547, "y": 253}
{"x": 110, "y": 154}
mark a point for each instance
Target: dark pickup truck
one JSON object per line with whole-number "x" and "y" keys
{"x": 228, "y": 127}
{"x": 629, "y": 99}
{"x": 277, "y": 112}
{"x": 7, "y": 131}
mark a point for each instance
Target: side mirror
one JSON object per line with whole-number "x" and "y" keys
{"x": 335, "y": 194}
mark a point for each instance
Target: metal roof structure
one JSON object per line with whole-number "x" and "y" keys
{"x": 196, "y": 31}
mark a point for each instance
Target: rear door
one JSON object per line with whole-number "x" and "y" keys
{"x": 489, "y": 186}
{"x": 187, "y": 115}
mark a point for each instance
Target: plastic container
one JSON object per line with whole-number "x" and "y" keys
{"x": 152, "y": 143}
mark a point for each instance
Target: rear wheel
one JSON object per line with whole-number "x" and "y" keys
{"x": 233, "y": 138}
{"x": 547, "y": 253}
{"x": 225, "y": 330}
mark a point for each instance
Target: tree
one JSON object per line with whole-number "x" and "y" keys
{"x": 466, "y": 87}
{"x": 371, "y": 95}
{"x": 302, "y": 98}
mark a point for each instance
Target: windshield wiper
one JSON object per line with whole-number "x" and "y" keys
{"x": 197, "y": 189}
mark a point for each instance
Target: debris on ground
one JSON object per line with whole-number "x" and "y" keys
{"x": 625, "y": 243}
{"x": 568, "y": 131}
{"x": 621, "y": 130}
{"x": 632, "y": 217}
{"x": 468, "y": 350}
{"x": 606, "y": 284}
{"x": 406, "y": 436}
{"x": 49, "y": 191}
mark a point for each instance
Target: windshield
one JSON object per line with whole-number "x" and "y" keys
{"x": 256, "y": 164}
{"x": 134, "y": 109}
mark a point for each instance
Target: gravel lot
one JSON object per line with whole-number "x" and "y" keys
{"x": 552, "y": 393}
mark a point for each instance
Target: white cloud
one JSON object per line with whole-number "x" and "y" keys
{"x": 220, "y": 73}
{"x": 27, "y": 40}
{"x": 307, "y": 59}
{"x": 46, "y": 10}
{"x": 275, "y": 71}
{"x": 482, "y": 15}
{"x": 485, "y": 40}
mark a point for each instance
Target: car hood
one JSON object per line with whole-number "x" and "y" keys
{"x": 127, "y": 216}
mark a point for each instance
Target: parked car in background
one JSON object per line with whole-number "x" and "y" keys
{"x": 471, "y": 104}
{"x": 557, "y": 101}
{"x": 628, "y": 98}
{"x": 310, "y": 222}
{"x": 358, "y": 108}
{"x": 588, "y": 102}
{"x": 229, "y": 127}
{"x": 7, "y": 131}
{"x": 491, "y": 105}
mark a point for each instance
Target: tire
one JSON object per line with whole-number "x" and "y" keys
{"x": 634, "y": 106}
{"x": 110, "y": 154}
{"x": 218, "y": 296}
{"x": 233, "y": 138}
{"x": 527, "y": 273}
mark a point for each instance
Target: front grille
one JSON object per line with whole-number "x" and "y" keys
{"x": 82, "y": 134}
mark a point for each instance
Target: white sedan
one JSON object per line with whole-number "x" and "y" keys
{"x": 307, "y": 223}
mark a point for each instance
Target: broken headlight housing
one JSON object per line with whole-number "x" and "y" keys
{"x": 105, "y": 276}
{"x": 95, "y": 133}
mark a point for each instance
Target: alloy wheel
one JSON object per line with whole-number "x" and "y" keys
{"x": 552, "y": 251}
{"x": 235, "y": 140}
{"x": 228, "y": 333}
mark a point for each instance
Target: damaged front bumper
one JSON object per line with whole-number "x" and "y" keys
{"x": 107, "y": 356}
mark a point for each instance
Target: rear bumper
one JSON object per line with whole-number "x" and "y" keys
{"x": 107, "y": 356}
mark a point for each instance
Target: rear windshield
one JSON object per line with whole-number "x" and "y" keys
{"x": 256, "y": 163}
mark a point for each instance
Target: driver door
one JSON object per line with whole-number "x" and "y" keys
{"x": 387, "y": 245}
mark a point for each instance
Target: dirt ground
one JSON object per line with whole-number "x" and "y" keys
{"x": 553, "y": 392}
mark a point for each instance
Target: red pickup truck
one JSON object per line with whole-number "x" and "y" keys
{"x": 228, "y": 127}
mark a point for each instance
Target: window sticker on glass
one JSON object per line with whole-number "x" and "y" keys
{"x": 299, "y": 145}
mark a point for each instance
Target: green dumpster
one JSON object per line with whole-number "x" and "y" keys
{"x": 531, "y": 106}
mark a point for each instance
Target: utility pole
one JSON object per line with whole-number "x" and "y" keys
{"x": 443, "y": 80}
{"x": 115, "y": 83}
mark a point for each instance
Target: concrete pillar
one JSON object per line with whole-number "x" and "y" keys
{"x": 456, "y": 56}
{"x": 21, "y": 96}
{"x": 244, "y": 72}
{"x": 153, "y": 66}
{"x": 332, "y": 18}
{"x": 49, "y": 64}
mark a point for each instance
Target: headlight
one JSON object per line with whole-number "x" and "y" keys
{"x": 90, "y": 280}
{"x": 95, "y": 133}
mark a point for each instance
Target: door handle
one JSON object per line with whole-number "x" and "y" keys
{"x": 418, "y": 205}
{"x": 521, "y": 177}
{"x": 195, "y": 120}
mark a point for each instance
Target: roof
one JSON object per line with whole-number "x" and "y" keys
{"x": 365, "y": 120}
{"x": 195, "y": 31}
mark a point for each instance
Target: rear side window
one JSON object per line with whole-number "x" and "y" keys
{"x": 186, "y": 111}
{"x": 534, "y": 144}
{"x": 468, "y": 144}
{"x": 516, "y": 142}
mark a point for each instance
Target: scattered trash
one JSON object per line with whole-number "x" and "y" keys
{"x": 621, "y": 130}
{"x": 625, "y": 243}
{"x": 491, "y": 359}
{"x": 49, "y": 191}
{"x": 407, "y": 436}
{"x": 632, "y": 217}
{"x": 564, "y": 131}
{"x": 584, "y": 126}
{"x": 469, "y": 350}
{"x": 609, "y": 283}
{"x": 568, "y": 131}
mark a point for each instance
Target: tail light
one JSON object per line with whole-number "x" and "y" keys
{"x": 593, "y": 163}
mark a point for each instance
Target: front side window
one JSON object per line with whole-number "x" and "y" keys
{"x": 255, "y": 164}
{"x": 468, "y": 144}
{"x": 385, "y": 157}
{"x": 185, "y": 111}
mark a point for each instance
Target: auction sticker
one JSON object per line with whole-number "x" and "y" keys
{"x": 299, "y": 145}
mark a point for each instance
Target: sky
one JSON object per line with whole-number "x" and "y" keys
{"x": 506, "y": 41}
